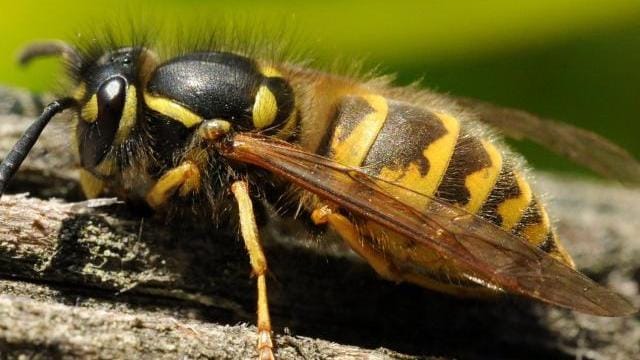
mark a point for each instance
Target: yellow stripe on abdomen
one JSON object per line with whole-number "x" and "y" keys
{"x": 536, "y": 232}
{"x": 481, "y": 182}
{"x": 472, "y": 172}
{"x": 412, "y": 150}
{"x": 511, "y": 210}
{"x": 439, "y": 154}
{"x": 351, "y": 147}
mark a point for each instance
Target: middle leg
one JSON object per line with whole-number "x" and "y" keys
{"x": 258, "y": 261}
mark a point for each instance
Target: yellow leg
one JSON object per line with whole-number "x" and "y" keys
{"x": 349, "y": 233}
{"x": 385, "y": 268}
{"x": 185, "y": 177}
{"x": 91, "y": 185}
{"x": 258, "y": 261}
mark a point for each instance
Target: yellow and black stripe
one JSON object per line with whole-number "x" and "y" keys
{"x": 437, "y": 155}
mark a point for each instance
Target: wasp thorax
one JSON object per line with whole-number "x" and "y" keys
{"x": 216, "y": 85}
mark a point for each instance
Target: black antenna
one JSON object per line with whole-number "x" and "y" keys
{"x": 16, "y": 156}
{"x": 50, "y": 48}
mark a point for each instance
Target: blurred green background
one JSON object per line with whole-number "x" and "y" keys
{"x": 574, "y": 60}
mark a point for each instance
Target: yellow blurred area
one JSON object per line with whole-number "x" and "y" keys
{"x": 378, "y": 30}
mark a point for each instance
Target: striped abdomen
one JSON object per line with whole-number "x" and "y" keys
{"x": 438, "y": 155}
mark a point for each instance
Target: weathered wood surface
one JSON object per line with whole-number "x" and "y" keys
{"x": 78, "y": 280}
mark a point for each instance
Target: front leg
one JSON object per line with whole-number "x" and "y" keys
{"x": 184, "y": 178}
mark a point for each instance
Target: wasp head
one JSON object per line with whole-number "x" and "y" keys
{"x": 108, "y": 103}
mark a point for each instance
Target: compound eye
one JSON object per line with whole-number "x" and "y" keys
{"x": 111, "y": 98}
{"x": 96, "y": 138}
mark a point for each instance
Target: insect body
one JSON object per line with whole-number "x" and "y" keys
{"x": 414, "y": 183}
{"x": 432, "y": 151}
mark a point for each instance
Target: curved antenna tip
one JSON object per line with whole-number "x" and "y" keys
{"x": 49, "y": 48}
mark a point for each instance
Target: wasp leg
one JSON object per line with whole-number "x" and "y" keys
{"x": 258, "y": 261}
{"x": 385, "y": 267}
{"x": 185, "y": 177}
{"x": 349, "y": 232}
{"x": 91, "y": 186}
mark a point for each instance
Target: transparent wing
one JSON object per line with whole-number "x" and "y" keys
{"x": 476, "y": 246}
{"x": 581, "y": 146}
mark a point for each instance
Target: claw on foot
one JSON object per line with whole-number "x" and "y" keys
{"x": 265, "y": 345}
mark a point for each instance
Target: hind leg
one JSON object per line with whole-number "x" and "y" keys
{"x": 383, "y": 264}
{"x": 350, "y": 234}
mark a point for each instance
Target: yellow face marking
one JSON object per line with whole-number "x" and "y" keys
{"x": 89, "y": 112}
{"x": 481, "y": 182}
{"x": 511, "y": 210}
{"x": 438, "y": 153}
{"x": 80, "y": 92}
{"x": 173, "y": 110}
{"x": 269, "y": 71}
{"x": 91, "y": 186}
{"x": 129, "y": 114}
{"x": 352, "y": 150}
{"x": 265, "y": 108}
{"x": 536, "y": 233}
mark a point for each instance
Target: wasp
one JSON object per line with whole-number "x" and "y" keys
{"x": 419, "y": 184}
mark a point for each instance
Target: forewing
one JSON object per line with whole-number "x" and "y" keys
{"x": 481, "y": 249}
{"x": 581, "y": 146}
